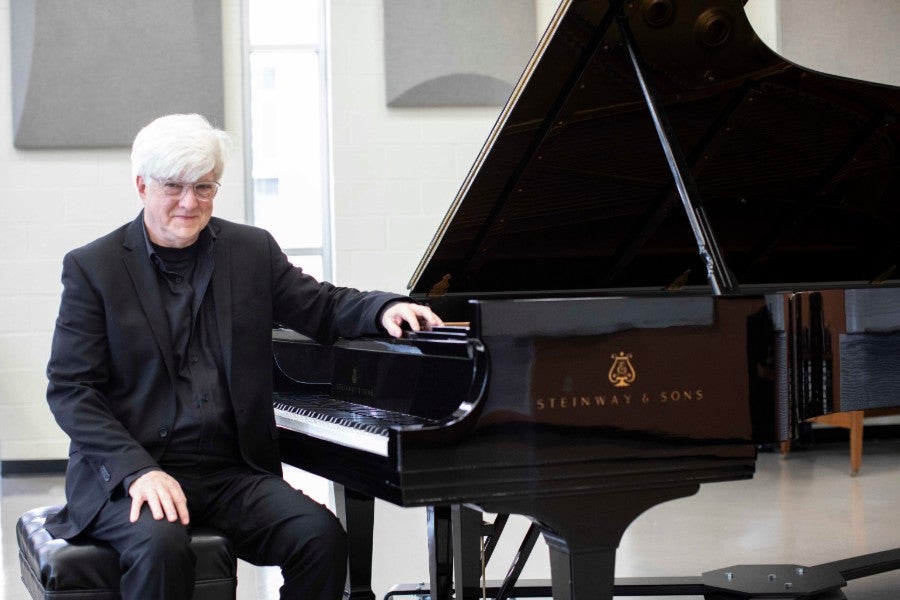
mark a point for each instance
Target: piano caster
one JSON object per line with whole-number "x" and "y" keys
{"x": 769, "y": 581}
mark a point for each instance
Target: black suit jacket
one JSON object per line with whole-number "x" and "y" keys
{"x": 111, "y": 372}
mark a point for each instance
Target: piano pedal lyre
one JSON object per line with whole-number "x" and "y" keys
{"x": 473, "y": 541}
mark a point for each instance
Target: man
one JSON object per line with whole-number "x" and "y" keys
{"x": 160, "y": 374}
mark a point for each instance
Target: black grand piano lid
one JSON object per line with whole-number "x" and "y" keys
{"x": 798, "y": 171}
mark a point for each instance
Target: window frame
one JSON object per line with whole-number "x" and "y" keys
{"x": 325, "y": 251}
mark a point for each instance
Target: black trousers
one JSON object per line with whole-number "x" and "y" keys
{"x": 268, "y": 521}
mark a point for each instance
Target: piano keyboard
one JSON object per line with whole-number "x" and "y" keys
{"x": 346, "y": 423}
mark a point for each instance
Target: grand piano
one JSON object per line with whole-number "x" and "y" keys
{"x": 674, "y": 246}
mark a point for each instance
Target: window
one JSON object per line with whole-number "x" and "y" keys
{"x": 286, "y": 124}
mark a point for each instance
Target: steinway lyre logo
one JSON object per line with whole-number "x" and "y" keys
{"x": 622, "y": 373}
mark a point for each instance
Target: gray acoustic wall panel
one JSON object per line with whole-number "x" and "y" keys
{"x": 455, "y": 52}
{"x": 853, "y": 39}
{"x": 91, "y": 73}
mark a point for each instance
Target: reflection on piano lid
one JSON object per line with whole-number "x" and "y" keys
{"x": 798, "y": 172}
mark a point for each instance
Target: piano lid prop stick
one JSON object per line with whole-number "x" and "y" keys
{"x": 720, "y": 277}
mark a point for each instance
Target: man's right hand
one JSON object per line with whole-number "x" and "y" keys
{"x": 163, "y": 495}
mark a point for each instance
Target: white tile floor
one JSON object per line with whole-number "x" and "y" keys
{"x": 805, "y": 509}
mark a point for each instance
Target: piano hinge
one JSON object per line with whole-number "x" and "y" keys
{"x": 679, "y": 282}
{"x": 884, "y": 276}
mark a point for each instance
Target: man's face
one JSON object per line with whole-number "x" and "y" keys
{"x": 173, "y": 222}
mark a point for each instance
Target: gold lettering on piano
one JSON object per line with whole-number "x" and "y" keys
{"x": 676, "y": 395}
{"x": 555, "y": 402}
{"x": 564, "y": 402}
{"x": 622, "y": 373}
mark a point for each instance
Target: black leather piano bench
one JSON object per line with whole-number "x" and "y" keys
{"x": 86, "y": 570}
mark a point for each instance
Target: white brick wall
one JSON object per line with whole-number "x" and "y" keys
{"x": 52, "y": 201}
{"x": 396, "y": 171}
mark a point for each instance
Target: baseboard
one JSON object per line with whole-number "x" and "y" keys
{"x": 13, "y": 468}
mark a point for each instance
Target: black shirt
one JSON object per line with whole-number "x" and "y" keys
{"x": 204, "y": 431}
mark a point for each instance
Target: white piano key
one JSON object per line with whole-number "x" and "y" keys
{"x": 330, "y": 431}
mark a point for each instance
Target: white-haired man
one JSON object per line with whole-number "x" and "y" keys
{"x": 160, "y": 374}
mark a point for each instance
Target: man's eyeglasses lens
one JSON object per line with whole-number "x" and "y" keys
{"x": 204, "y": 190}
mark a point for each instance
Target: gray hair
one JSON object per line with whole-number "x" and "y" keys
{"x": 179, "y": 147}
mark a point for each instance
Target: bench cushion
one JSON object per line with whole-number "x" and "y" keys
{"x": 89, "y": 570}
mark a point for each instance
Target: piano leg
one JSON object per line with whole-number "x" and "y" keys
{"x": 583, "y": 533}
{"x": 454, "y": 552}
{"x": 466, "y": 524}
{"x": 357, "y": 514}
{"x": 440, "y": 552}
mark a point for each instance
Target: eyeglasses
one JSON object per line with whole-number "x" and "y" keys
{"x": 204, "y": 191}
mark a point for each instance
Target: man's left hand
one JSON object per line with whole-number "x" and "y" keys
{"x": 416, "y": 316}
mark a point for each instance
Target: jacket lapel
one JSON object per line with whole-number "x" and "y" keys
{"x": 146, "y": 287}
{"x": 221, "y": 284}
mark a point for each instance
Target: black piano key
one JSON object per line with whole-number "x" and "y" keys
{"x": 348, "y": 414}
